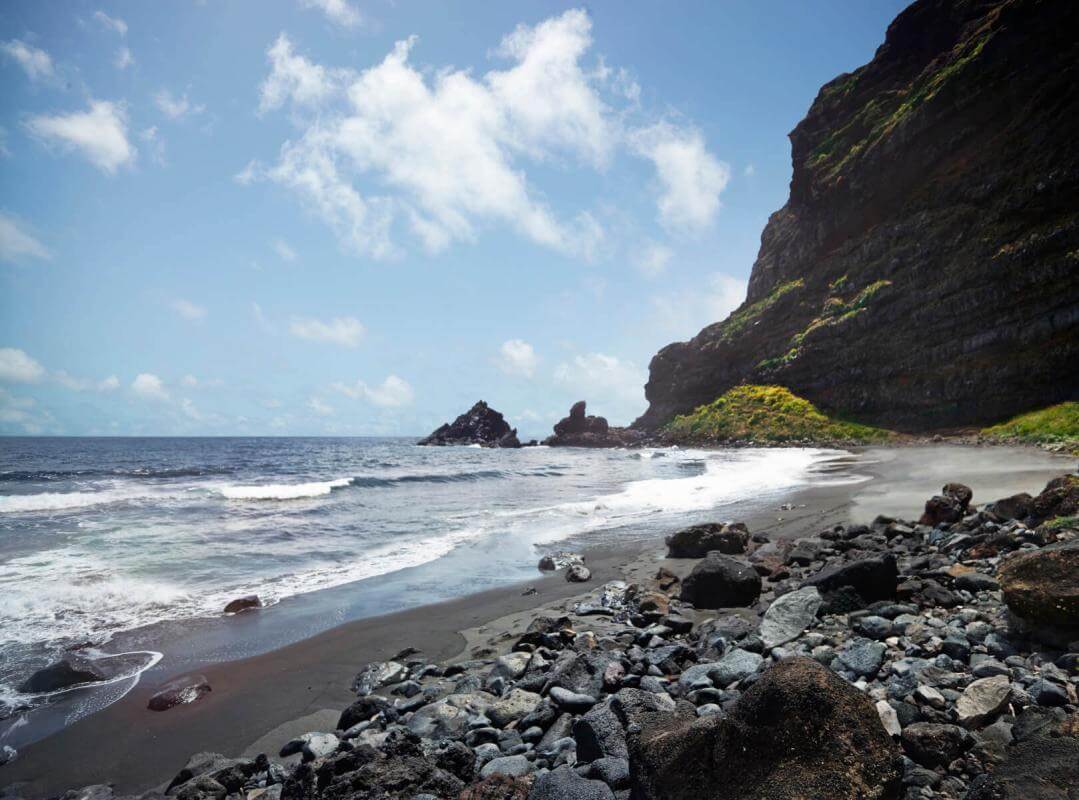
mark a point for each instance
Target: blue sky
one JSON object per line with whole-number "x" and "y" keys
{"x": 353, "y": 217}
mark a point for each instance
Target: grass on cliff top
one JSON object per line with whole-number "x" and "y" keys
{"x": 766, "y": 414}
{"x": 1059, "y": 423}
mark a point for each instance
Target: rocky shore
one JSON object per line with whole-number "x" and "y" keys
{"x": 902, "y": 659}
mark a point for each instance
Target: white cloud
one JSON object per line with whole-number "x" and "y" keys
{"x": 691, "y": 178}
{"x": 124, "y": 58}
{"x": 75, "y": 384}
{"x": 109, "y": 384}
{"x": 293, "y": 78}
{"x": 517, "y": 357}
{"x": 344, "y": 331}
{"x": 393, "y": 392}
{"x": 613, "y": 388}
{"x": 148, "y": 385}
{"x": 340, "y": 12}
{"x": 176, "y": 107}
{"x": 100, "y": 134}
{"x": 22, "y": 411}
{"x": 35, "y": 62}
{"x": 113, "y": 23}
{"x": 320, "y": 407}
{"x": 16, "y": 244}
{"x": 17, "y": 367}
{"x": 652, "y": 259}
{"x": 188, "y": 310}
{"x": 284, "y": 250}
{"x": 684, "y": 313}
{"x": 249, "y": 174}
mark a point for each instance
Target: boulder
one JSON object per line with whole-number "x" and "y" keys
{"x": 983, "y": 701}
{"x": 872, "y": 578}
{"x": 799, "y": 732}
{"x": 448, "y": 718}
{"x": 1042, "y": 586}
{"x": 565, "y": 784}
{"x": 72, "y": 670}
{"x": 934, "y": 744}
{"x": 789, "y": 615}
{"x": 960, "y": 493}
{"x": 181, "y": 691}
{"x": 481, "y": 424}
{"x": 599, "y": 734}
{"x": 243, "y": 604}
{"x": 1018, "y": 506}
{"x": 498, "y": 787}
{"x": 941, "y": 510}
{"x": 516, "y": 703}
{"x": 721, "y": 582}
{"x": 578, "y": 573}
{"x": 362, "y": 710}
{"x": 1059, "y": 498}
{"x": 378, "y": 674}
{"x": 512, "y": 766}
{"x": 697, "y": 541}
{"x": 735, "y": 666}
{"x": 1041, "y": 768}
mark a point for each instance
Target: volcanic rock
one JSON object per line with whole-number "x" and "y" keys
{"x": 697, "y": 541}
{"x": 243, "y": 604}
{"x": 181, "y": 691}
{"x": 721, "y": 582}
{"x": 481, "y": 424}
{"x": 1042, "y": 586}
{"x": 72, "y": 670}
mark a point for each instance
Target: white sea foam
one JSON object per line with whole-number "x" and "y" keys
{"x": 62, "y": 501}
{"x": 283, "y": 491}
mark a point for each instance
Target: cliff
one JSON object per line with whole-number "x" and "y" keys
{"x": 925, "y": 271}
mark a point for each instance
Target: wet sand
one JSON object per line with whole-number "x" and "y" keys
{"x": 258, "y": 703}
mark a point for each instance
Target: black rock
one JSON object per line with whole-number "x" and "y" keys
{"x": 721, "y": 582}
{"x": 182, "y": 691}
{"x": 481, "y": 424}
{"x": 72, "y": 670}
{"x": 872, "y": 578}
{"x": 697, "y": 541}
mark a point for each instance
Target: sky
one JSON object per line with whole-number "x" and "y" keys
{"x": 358, "y": 217}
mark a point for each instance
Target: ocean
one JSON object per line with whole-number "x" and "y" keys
{"x": 109, "y": 546}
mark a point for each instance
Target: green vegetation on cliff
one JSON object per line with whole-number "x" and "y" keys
{"x": 1059, "y": 423}
{"x": 766, "y": 414}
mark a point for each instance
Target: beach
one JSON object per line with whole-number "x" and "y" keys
{"x": 259, "y": 703}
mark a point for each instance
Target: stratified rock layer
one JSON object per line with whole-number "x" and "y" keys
{"x": 925, "y": 270}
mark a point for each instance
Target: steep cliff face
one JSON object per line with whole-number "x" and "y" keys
{"x": 925, "y": 270}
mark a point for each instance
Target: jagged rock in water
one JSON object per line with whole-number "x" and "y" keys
{"x": 922, "y": 273}
{"x": 481, "y": 424}
{"x": 581, "y": 430}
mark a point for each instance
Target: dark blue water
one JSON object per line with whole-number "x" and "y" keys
{"x": 102, "y": 537}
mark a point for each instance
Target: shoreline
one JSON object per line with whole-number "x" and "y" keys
{"x": 268, "y": 699}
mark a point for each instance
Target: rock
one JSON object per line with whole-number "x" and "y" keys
{"x": 940, "y": 510}
{"x": 379, "y": 674}
{"x": 872, "y": 578}
{"x": 975, "y": 582}
{"x": 481, "y": 424}
{"x": 513, "y": 766}
{"x": 574, "y": 702}
{"x": 1018, "y": 506}
{"x": 799, "y": 732}
{"x": 514, "y": 705}
{"x": 789, "y": 615}
{"x": 178, "y": 692}
{"x": 243, "y": 604}
{"x": 319, "y": 745}
{"x": 983, "y": 701}
{"x": 1041, "y": 768}
{"x": 721, "y": 582}
{"x": 581, "y": 430}
{"x": 72, "y": 670}
{"x": 612, "y": 771}
{"x": 697, "y": 541}
{"x": 560, "y": 559}
{"x": 889, "y": 719}
{"x": 7, "y": 754}
{"x": 934, "y": 744}
{"x": 578, "y": 573}
{"x": 1059, "y": 498}
{"x": 565, "y": 784}
{"x": 362, "y": 710}
{"x": 1042, "y": 586}
{"x": 654, "y": 603}
{"x": 599, "y": 734}
{"x": 1047, "y": 693}
{"x": 960, "y": 493}
{"x": 448, "y": 718}
{"x": 201, "y": 788}
{"x": 498, "y": 787}
{"x": 736, "y": 666}
{"x": 862, "y": 657}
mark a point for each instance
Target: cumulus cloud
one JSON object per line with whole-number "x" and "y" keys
{"x": 148, "y": 385}
{"x": 612, "y": 386}
{"x": 691, "y": 178}
{"x": 23, "y": 413}
{"x": 18, "y": 367}
{"x": 340, "y": 12}
{"x": 176, "y": 107}
{"x": 391, "y": 393}
{"x": 295, "y": 79}
{"x": 684, "y": 313}
{"x": 99, "y": 134}
{"x": 35, "y": 62}
{"x": 112, "y": 23}
{"x": 16, "y": 244}
{"x": 284, "y": 250}
{"x": 320, "y": 407}
{"x": 652, "y": 259}
{"x": 343, "y": 331}
{"x": 188, "y": 310}
{"x": 517, "y": 357}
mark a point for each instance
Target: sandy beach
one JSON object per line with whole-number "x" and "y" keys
{"x": 259, "y": 703}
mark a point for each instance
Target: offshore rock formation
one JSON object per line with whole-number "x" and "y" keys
{"x": 481, "y": 425}
{"x": 925, "y": 270}
{"x": 581, "y": 430}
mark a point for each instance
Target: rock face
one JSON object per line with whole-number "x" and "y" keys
{"x": 697, "y": 541}
{"x": 481, "y": 425}
{"x": 581, "y": 430}
{"x": 1042, "y": 586}
{"x": 934, "y": 209}
{"x": 800, "y": 731}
